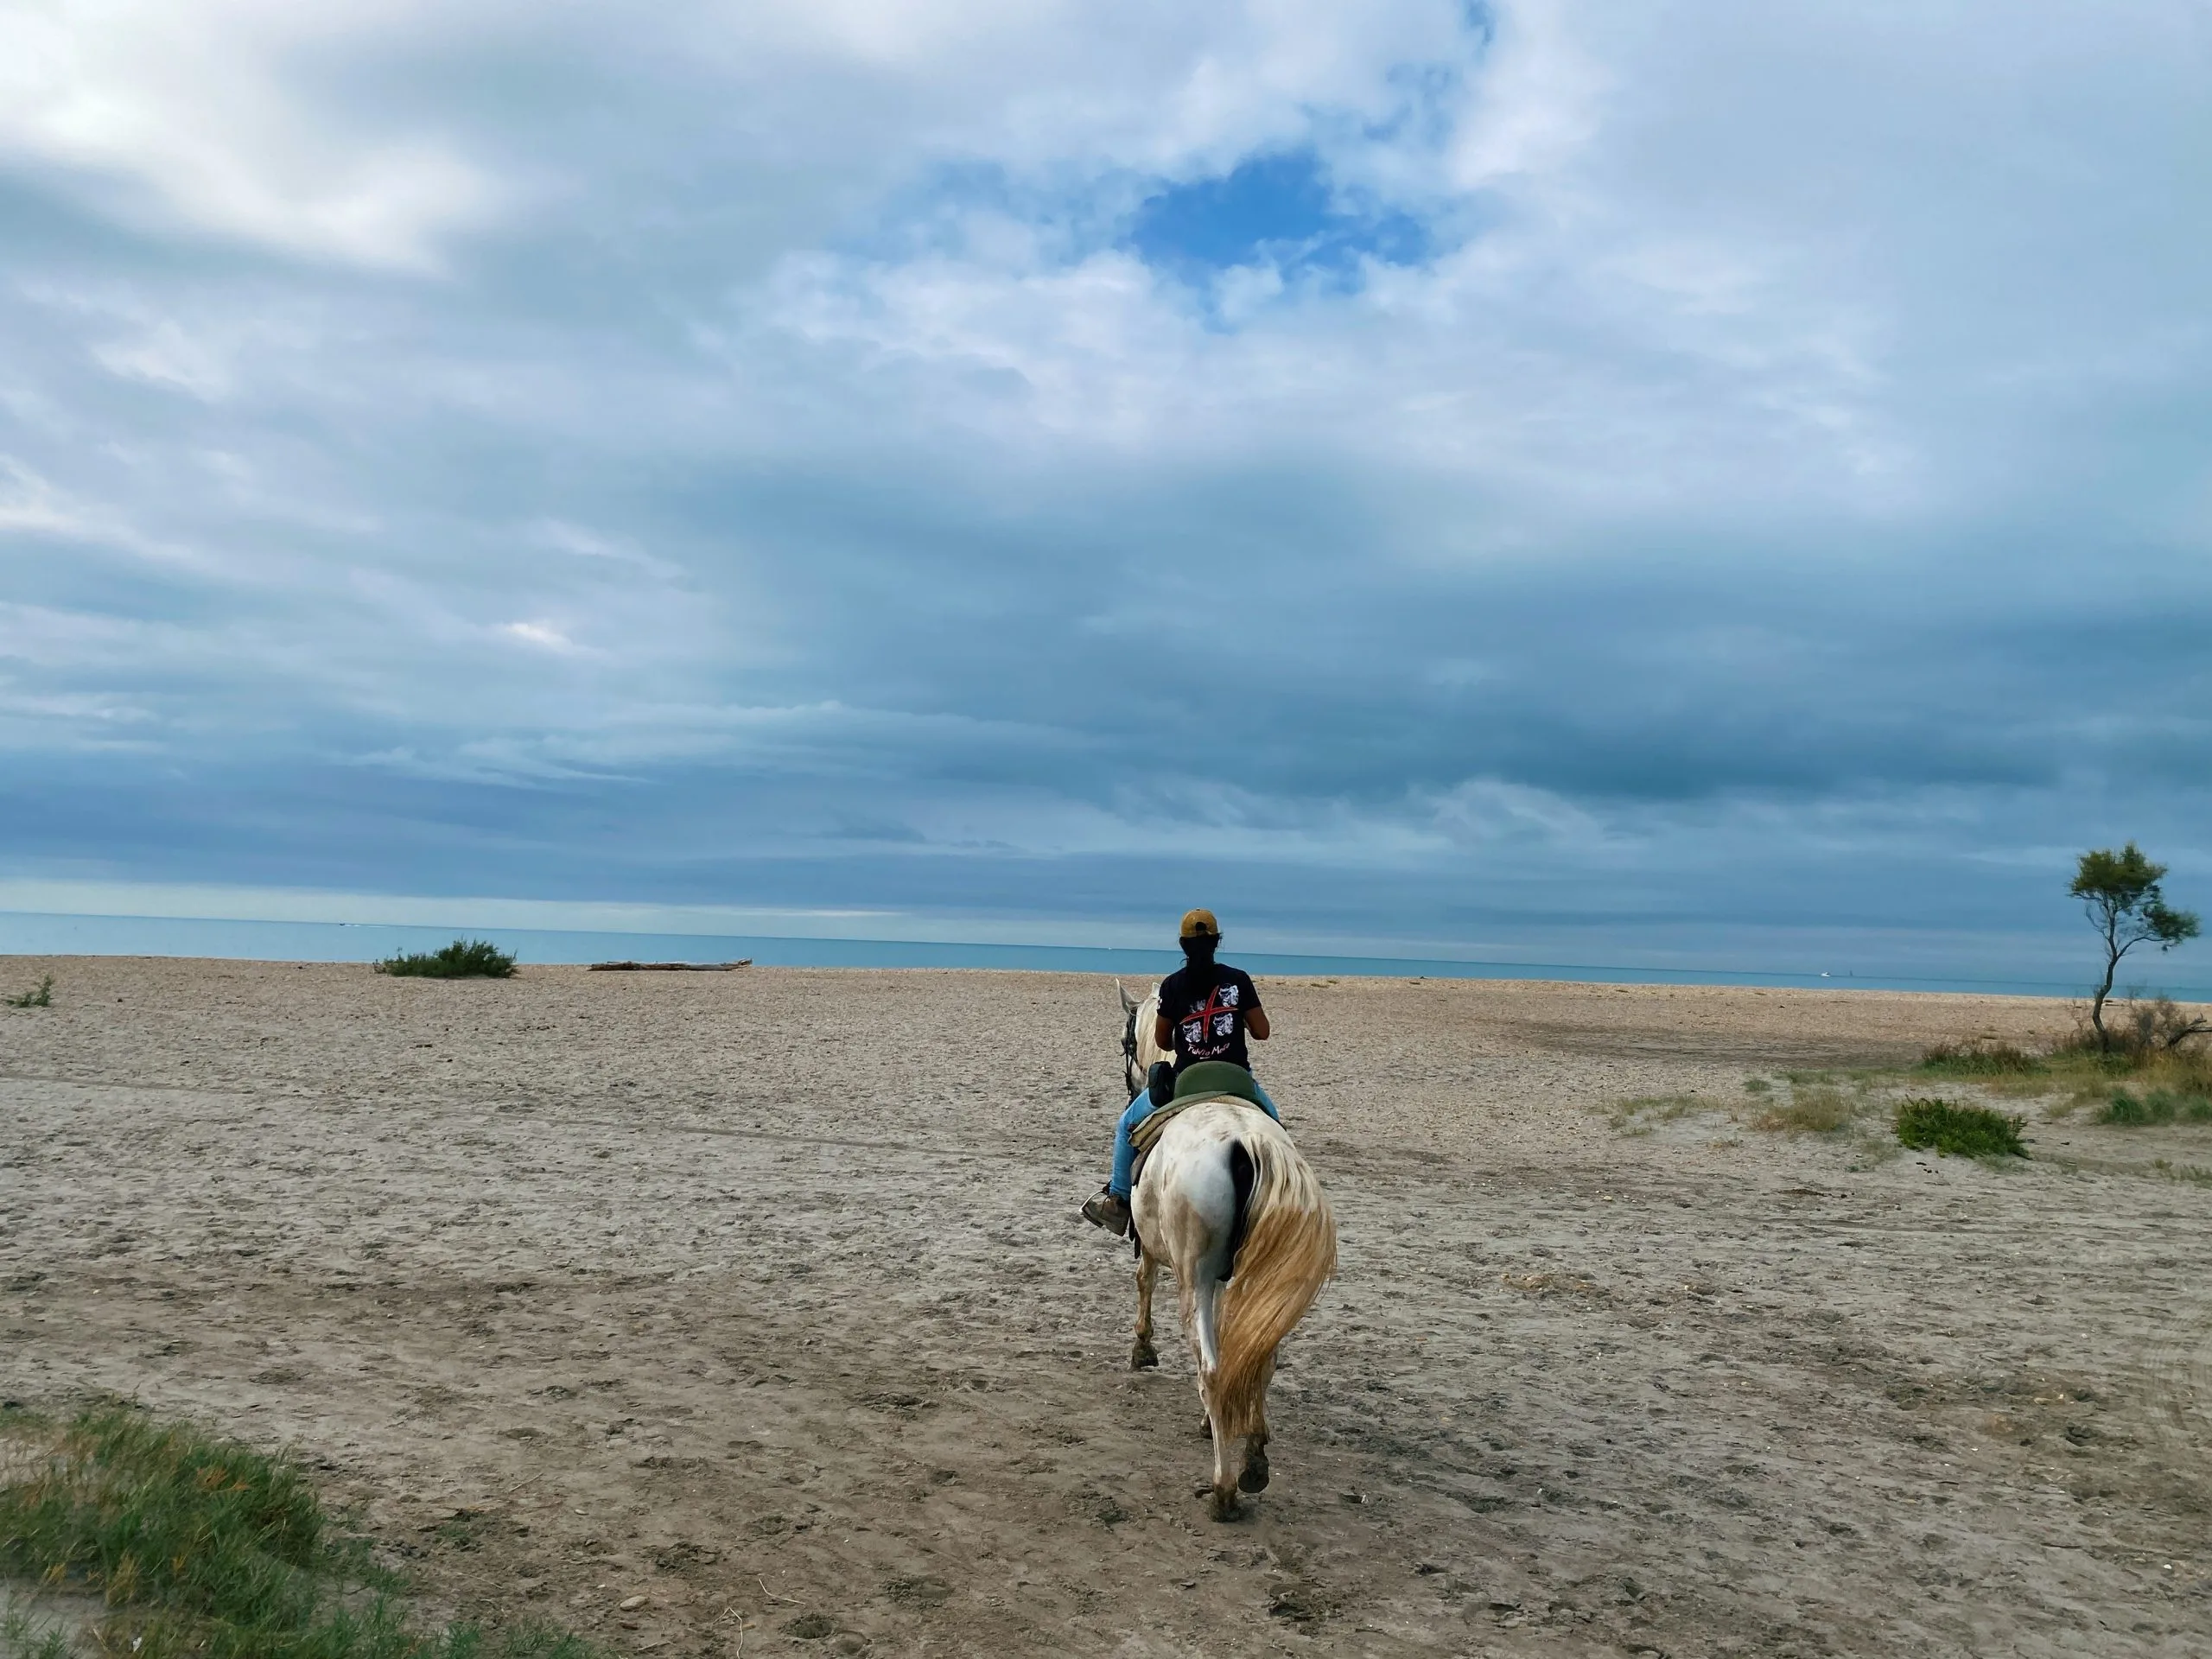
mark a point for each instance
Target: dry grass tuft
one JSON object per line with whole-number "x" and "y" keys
{"x": 1820, "y": 1109}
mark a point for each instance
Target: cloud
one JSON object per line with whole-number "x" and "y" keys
{"x": 203, "y": 118}
{"x": 1417, "y": 471}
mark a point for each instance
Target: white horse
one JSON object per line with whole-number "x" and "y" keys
{"x": 1140, "y": 1037}
{"x": 1228, "y": 1204}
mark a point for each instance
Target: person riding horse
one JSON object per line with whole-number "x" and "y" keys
{"x": 1207, "y": 1009}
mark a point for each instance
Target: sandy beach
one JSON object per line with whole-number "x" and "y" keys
{"x": 762, "y": 1296}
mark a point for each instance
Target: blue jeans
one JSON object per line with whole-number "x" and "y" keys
{"x": 1125, "y": 1155}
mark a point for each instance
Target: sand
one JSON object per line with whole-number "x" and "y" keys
{"x": 762, "y": 1296}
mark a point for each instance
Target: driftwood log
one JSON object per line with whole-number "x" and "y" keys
{"x": 668, "y": 967}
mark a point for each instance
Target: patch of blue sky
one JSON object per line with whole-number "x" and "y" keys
{"x": 1280, "y": 211}
{"x": 1277, "y": 210}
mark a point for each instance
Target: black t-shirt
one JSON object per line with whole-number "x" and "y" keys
{"x": 1208, "y": 1007}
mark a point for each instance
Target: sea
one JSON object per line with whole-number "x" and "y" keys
{"x": 26, "y": 933}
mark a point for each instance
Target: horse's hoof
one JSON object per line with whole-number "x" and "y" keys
{"x": 1144, "y": 1357}
{"x": 1255, "y": 1477}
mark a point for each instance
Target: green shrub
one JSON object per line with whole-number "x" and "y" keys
{"x": 1967, "y": 1131}
{"x": 41, "y": 998}
{"x": 462, "y": 959}
{"x": 203, "y": 1546}
{"x": 2155, "y": 1106}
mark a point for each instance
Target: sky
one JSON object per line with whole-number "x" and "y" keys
{"x": 1715, "y": 485}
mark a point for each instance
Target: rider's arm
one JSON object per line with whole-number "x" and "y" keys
{"x": 1163, "y": 1034}
{"x": 1256, "y": 1023}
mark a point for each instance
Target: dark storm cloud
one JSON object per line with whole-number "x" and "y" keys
{"x": 1417, "y": 481}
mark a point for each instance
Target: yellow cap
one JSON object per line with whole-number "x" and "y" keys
{"x": 1200, "y": 925}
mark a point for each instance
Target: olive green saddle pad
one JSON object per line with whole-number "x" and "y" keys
{"x": 1203, "y": 1081}
{"x": 1204, "y": 1078}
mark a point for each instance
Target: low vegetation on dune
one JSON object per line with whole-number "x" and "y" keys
{"x": 1824, "y": 1103}
{"x": 1982, "y": 1057}
{"x": 1873, "y": 1112}
{"x": 40, "y": 997}
{"x": 2144, "y": 1070}
{"x": 200, "y": 1546}
{"x": 462, "y": 959}
{"x": 1812, "y": 1107}
{"x": 2156, "y": 1106}
{"x": 1943, "y": 1126}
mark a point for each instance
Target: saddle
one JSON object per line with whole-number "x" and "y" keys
{"x": 1202, "y": 1080}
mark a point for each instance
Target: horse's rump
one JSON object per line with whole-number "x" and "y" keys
{"x": 1274, "y": 1254}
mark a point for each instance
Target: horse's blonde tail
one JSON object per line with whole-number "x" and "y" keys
{"x": 1288, "y": 1252}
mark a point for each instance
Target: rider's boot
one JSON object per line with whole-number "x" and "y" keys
{"x": 1105, "y": 1209}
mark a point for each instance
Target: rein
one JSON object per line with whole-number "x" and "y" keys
{"x": 1130, "y": 1049}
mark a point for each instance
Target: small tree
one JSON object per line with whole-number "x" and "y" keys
{"x": 2120, "y": 892}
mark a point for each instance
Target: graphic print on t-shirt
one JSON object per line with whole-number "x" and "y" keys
{"x": 1209, "y": 1029}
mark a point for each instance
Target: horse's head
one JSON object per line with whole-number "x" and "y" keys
{"x": 1139, "y": 1046}
{"x": 1129, "y": 1005}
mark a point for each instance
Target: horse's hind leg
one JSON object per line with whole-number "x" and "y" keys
{"x": 1142, "y": 1354}
{"x": 1254, "y": 1476}
{"x": 1226, "y": 1461}
{"x": 1222, "y": 1494}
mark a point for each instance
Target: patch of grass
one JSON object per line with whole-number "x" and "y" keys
{"x": 2177, "y": 1074}
{"x": 2072, "y": 1068}
{"x": 462, "y": 959}
{"x": 23, "y": 1634}
{"x": 1981, "y": 1056}
{"x": 1818, "y": 1109}
{"x": 203, "y": 1546}
{"x": 2156, "y": 1106}
{"x": 1963, "y": 1131}
{"x": 41, "y": 998}
{"x": 2157, "y": 1033}
{"x": 1757, "y": 1086}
